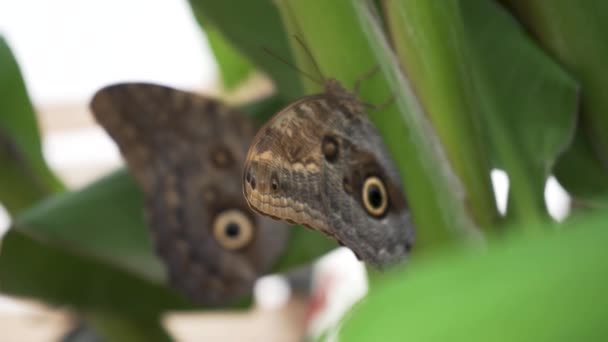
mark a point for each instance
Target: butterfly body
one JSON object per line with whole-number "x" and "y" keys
{"x": 186, "y": 153}
{"x": 311, "y": 163}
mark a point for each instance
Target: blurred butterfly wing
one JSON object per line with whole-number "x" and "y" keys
{"x": 156, "y": 127}
{"x": 186, "y": 152}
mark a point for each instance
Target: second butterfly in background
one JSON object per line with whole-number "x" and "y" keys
{"x": 186, "y": 153}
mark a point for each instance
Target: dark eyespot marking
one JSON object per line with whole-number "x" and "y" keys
{"x": 274, "y": 182}
{"x": 250, "y": 179}
{"x": 233, "y": 229}
{"x": 248, "y": 176}
{"x": 330, "y": 148}
{"x": 375, "y": 198}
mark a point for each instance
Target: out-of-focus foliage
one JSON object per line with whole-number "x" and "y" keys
{"x": 251, "y": 27}
{"x": 573, "y": 32}
{"x": 89, "y": 249}
{"x": 24, "y": 176}
{"x": 527, "y": 103}
{"x": 234, "y": 68}
{"x": 101, "y": 226}
{"x": 347, "y": 48}
{"x": 31, "y": 268}
{"x": 471, "y": 88}
{"x": 440, "y": 76}
{"x": 540, "y": 288}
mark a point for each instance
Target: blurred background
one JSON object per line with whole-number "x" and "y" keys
{"x": 68, "y": 49}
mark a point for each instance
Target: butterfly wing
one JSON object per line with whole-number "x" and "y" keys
{"x": 186, "y": 153}
{"x": 320, "y": 162}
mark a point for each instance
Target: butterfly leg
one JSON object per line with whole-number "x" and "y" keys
{"x": 366, "y": 76}
{"x": 387, "y": 103}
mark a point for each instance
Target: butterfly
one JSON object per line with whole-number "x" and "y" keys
{"x": 321, "y": 163}
{"x": 186, "y": 153}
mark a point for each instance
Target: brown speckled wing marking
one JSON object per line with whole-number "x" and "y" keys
{"x": 186, "y": 152}
{"x": 310, "y": 165}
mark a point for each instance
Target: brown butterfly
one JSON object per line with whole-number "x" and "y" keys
{"x": 321, "y": 163}
{"x": 186, "y": 153}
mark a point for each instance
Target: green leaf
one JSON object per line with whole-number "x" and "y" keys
{"x": 263, "y": 109}
{"x": 24, "y": 176}
{"x": 574, "y": 33}
{"x": 234, "y": 67}
{"x": 254, "y": 26}
{"x": 31, "y": 268}
{"x": 102, "y": 226}
{"x": 582, "y": 174}
{"x": 527, "y": 103}
{"x": 429, "y": 38}
{"x": 346, "y": 41}
{"x": 528, "y": 288}
{"x": 103, "y": 220}
{"x": 115, "y": 327}
{"x": 304, "y": 246}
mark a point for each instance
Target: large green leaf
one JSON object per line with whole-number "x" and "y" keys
{"x": 251, "y": 27}
{"x": 574, "y": 33}
{"x": 527, "y": 288}
{"x": 527, "y": 104}
{"x": 24, "y": 175}
{"x": 103, "y": 220}
{"x": 31, "y": 268}
{"x": 429, "y": 38}
{"x": 583, "y": 175}
{"x": 234, "y": 67}
{"x": 346, "y": 42}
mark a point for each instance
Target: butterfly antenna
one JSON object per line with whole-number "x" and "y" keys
{"x": 284, "y": 61}
{"x": 309, "y": 53}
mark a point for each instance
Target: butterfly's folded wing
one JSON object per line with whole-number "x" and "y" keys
{"x": 186, "y": 153}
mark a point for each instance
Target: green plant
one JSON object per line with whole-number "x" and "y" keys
{"x": 89, "y": 249}
{"x": 477, "y": 85}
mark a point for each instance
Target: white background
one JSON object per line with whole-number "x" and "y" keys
{"x": 67, "y": 49}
